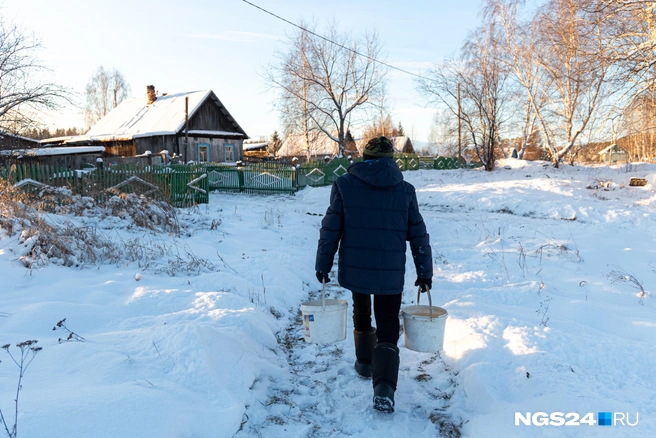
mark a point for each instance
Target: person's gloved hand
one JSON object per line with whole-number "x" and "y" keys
{"x": 323, "y": 278}
{"x": 424, "y": 284}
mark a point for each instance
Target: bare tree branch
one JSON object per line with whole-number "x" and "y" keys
{"x": 23, "y": 97}
{"x": 322, "y": 84}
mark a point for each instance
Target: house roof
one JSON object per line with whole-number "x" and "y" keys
{"x": 46, "y": 152}
{"x": 135, "y": 118}
{"x": 400, "y": 143}
{"x": 613, "y": 146}
{"x": 254, "y": 146}
{"x": 15, "y": 136}
{"x": 55, "y": 140}
{"x": 210, "y": 133}
{"x": 294, "y": 145}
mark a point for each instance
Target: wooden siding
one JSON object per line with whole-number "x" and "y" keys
{"x": 156, "y": 144}
{"x": 8, "y": 142}
{"x": 117, "y": 148}
{"x": 216, "y": 148}
{"x": 210, "y": 117}
{"x": 73, "y": 161}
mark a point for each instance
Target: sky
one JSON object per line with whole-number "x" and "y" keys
{"x": 225, "y": 45}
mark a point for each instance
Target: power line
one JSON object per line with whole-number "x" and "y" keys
{"x": 336, "y": 43}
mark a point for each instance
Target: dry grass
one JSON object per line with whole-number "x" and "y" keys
{"x": 44, "y": 236}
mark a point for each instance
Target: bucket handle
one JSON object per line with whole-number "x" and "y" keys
{"x": 430, "y": 301}
{"x": 323, "y": 295}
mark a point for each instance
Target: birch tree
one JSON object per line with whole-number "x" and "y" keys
{"x": 329, "y": 81}
{"x": 558, "y": 57}
{"x": 443, "y": 135}
{"x": 630, "y": 34}
{"x": 519, "y": 54}
{"x": 484, "y": 91}
{"x": 104, "y": 92}
{"x": 296, "y": 93}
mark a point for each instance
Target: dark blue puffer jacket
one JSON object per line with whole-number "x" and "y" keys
{"x": 372, "y": 214}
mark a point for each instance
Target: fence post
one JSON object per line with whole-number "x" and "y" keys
{"x": 240, "y": 174}
{"x": 294, "y": 179}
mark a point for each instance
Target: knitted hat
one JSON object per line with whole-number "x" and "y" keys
{"x": 379, "y": 147}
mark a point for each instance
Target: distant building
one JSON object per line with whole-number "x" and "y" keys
{"x": 613, "y": 154}
{"x": 70, "y": 157}
{"x": 12, "y": 141}
{"x": 403, "y": 145}
{"x": 195, "y": 126}
{"x": 320, "y": 145}
{"x": 256, "y": 147}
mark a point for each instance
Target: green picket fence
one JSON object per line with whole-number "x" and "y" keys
{"x": 188, "y": 185}
{"x": 258, "y": 178}
{"x": 262, "y": 178}
{"x": 426, "y": 162}
{"x": 183, "y": 187}
{"x": 319, "y": 173}
{"x": 51, "y": 175}
{"x": 443, "y": 163}
{"x": 407, "y": 161}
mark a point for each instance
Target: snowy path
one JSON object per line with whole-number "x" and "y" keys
{"x": 323, "y": 396}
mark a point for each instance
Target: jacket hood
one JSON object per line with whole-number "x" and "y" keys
{"x": 382, "y": 172}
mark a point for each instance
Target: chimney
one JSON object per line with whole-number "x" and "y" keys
{"x": 150, "y": 93}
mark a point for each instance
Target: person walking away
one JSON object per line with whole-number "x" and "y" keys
{"x": 373, "y": 212}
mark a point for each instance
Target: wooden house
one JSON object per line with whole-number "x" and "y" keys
{"x": 316, "y": 146}
{"x": 193, "y": 126}
{"x": 403, "y": 144}
{"x": 12, "y": 141}
{"x": 256, "y": 151}
{"x": 70, "y": 157}
{"x": 613, "y": 154}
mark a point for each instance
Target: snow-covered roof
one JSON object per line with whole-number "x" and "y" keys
{"x": 20, "y": 137}
{"x": 399, "y": 143}
{"x": 55, "y": 139}
{"x": 135, "y": 118}
{"x": 201, "y": 132}
{"x": 320, "y": 145}
{"x": 295, "y": 145}
{"x": 252, "y": 146}
{"x": 46, "y": 152}
{"x": 619, "y": 150}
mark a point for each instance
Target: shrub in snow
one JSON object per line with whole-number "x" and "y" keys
{"x": 619, "y": 275}
{"x": 48, "y": 239}
{"x": 143, "y": 212}
{"x": 72, "y": 336}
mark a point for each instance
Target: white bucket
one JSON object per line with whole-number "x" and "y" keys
{"x": 423, "y": 326}
{"x": 324, "y": 321}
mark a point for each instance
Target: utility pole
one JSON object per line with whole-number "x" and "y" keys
{"x": 459, "y": 127}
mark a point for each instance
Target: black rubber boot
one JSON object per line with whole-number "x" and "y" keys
{"x": 364, "y": 347}
{"x": 385, "y": 373}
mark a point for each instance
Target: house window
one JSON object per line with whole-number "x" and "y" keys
{"x": 229, "y": 152}
{"x": 204, "y": 153}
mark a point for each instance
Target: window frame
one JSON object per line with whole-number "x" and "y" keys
{"x": 232, "y": 152}
{"x": 203, "y": 145}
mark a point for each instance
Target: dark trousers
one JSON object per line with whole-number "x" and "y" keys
{"x": 386, "y": 311}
